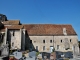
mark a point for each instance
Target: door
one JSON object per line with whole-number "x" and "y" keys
{"x": 51, "y": 48}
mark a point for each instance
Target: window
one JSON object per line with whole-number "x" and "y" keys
{"x": 61, "y": 41}
{"x": 43, "y": 41}
{"x": 70, "y": 40}
{"x": 36, "y": 47}
{"x": 57, "y": 47}
{"x": 12, "y": 44}
{"x": 50, "y": 41}
{"x": 43, "y": 47}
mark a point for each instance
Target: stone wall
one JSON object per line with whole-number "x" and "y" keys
{"x": 38, "y": 41}
{"x": 15, "y": 39}
{"x": 56, "y": 40}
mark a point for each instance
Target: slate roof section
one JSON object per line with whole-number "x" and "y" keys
{"x": 48, "y": 29}
{"x": 11, "y": 22}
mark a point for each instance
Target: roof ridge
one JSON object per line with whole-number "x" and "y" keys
{"x": 46, "y": 24}
{"x": 14, "y": 20}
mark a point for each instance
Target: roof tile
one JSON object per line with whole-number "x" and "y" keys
{"x": 48, "y": 29}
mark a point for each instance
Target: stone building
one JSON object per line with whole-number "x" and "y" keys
{"x": 45, "y": 37}
{"x": 14, "y": 34}
{"x": 40, "y": 37}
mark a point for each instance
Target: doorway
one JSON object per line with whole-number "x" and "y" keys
{"x": 51, "y": 48}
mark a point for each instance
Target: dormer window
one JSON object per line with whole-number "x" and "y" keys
{"x": 64, "y": 31}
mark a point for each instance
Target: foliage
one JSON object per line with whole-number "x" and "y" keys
{"x": 53, "y": 50}
{"x": 11, "y": 51}
{"x": 23, "y": 55}
{"x": 27, "y": 51}
{"x": 11, "y": 57}
{"x": 3, "y": 34}
{"x": 0, "y": 43}
{"x": 66, "y": 59}
{"x": 1, "y": 39}
{"x": 37, "y": 53}
{"x": 79, "y": 44}
{"x": 67, "y": 48}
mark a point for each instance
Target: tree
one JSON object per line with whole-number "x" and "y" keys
{"x": 79, "y": 43}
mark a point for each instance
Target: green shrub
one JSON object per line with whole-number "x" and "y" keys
{"x": 53, "y": 50}
{"x": 37, "y": 53}
{"x": 27, "y": 51}
{"x": 11, "y": 51}
{"x": 66, "y": 59}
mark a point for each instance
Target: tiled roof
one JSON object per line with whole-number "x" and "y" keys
{"x": 11, "y": 27}
{"x": 48, "y": 29}
{"x": 43, "y": 29}
{"x": 14, "y": 27}
{"x": 11, "y": 22}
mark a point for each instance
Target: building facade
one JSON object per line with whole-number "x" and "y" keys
{"x": 14, "y": 34}
{"x": 40, "y": 37}
{"x": 46, "y": 37}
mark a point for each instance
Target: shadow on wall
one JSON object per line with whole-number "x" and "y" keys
{"x": 9, "y": 40}
{"x": 28, "y": 43}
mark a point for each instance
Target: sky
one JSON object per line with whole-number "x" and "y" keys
{"x": 43, "y": 12}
